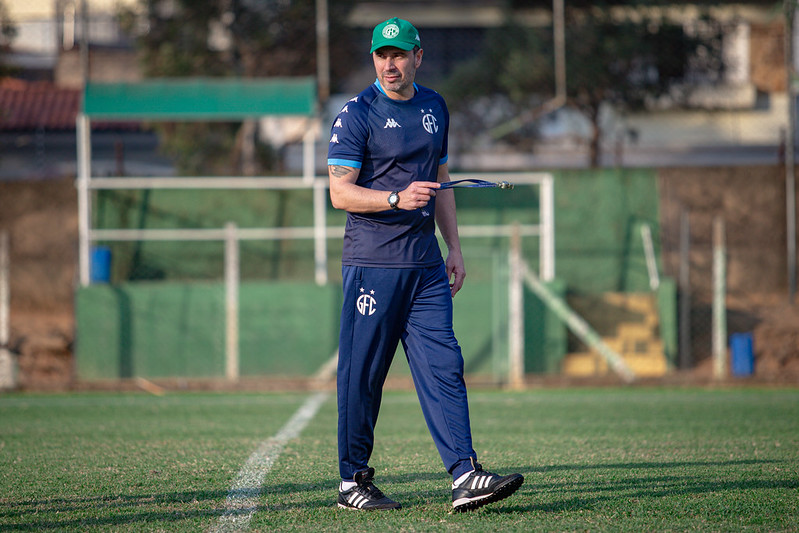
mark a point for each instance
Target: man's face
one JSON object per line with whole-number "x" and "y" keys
{"x": 396, "y": 70}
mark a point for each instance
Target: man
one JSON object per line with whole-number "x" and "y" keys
{"x": 386, "y": 161}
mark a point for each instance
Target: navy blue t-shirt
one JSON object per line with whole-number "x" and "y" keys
{"x": 393, "y": 143}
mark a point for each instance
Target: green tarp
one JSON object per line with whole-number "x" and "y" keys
{"x": 200, "y": 98}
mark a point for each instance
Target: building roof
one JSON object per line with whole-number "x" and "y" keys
{"x": 42, "y": 105}
{"x": 37, "y": 105}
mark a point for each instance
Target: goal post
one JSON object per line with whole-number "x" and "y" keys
{"x": 229, "y": 237}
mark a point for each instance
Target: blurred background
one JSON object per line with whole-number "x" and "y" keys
{"x": 667, "y": 129}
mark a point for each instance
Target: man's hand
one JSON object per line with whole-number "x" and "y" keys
{"x": 456, "y": 271}
{"x": 417, "y": 194}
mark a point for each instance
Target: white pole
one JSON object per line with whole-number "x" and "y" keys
{"x": 547, "y": 223}
{"x": 308, "y": 159}
{"x": 84, "y": 199}
{"x": 231, "y": 302}
{"x": 320, "y": 231}
{"x": 8, "y": 367}
{"x": 4, "y": 288}
{"x": 719, "y": 307}
{"x": 516, "y": 314}
{"x": 649, "y": 256}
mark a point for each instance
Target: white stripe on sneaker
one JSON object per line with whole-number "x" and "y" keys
{"x": 480, "y": 482}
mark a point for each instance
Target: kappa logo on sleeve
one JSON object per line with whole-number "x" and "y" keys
{"x": 334, "y": 138}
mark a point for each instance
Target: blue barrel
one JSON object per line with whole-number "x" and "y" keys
{"x": 743, "y": 358}
{"x": 100, "y": 271}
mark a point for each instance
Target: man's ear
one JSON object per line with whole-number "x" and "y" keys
{"x": 418, "y": 58}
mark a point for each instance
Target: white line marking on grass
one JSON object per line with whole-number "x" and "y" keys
{"x": 242, "y": 499}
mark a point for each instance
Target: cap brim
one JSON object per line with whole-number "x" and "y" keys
{"x": 395, "y": 44}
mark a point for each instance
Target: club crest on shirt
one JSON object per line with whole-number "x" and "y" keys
{"x": 429, "y": 122}
{"x": 366, "y": 303}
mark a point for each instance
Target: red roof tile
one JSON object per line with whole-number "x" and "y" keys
{"x": 26, "y": 106}
{"x": 31, "y": 105}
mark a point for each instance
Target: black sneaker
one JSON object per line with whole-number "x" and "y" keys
{"x": 365, "y": 495}
{"x": 482, "y": 488}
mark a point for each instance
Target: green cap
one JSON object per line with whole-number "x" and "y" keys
{"x": 395, "y": 32}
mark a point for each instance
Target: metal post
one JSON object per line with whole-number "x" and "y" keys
{"x": 559, "y": 37}
{"x": 322, "y": 51}
{"x": 685, "y": 291}
{"x": 231, "y": 302}
{"x": 547, "y": 245}
{"x": 320, "y": 231}
{"x": 83, "y": 128}
{"x": 308, "y": 156}
{"x": 84, "y": 41}
{"x": 498, "y": 285}
{"x": 319, "y": 203}
{"x": 649, "y": 257}
{"x": 4, "y": 287}
{"x": 790, "y": 178}
{"x": 516, "y": 313}
{"x": 8, "y": 366}
{"x": 719, "y": 304}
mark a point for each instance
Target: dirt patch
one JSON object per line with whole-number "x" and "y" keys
{"x": 41, "y": 220}
{"x": 751, "y": 203}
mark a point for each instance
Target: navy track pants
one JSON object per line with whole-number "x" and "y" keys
{"x": 383, "y": 306}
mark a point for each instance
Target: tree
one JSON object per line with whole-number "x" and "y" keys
{"x": 225, "y": 38}
{"x": 623, "y": 59}
{"x": 8, "y": 31}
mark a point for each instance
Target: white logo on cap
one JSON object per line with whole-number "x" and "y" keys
{"x": 390, "y": 31}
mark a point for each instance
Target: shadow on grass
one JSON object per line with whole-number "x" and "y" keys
{"x": 75, "y": 514}
{"x": 603, "y": 489}
{"x": 121, "y": 509}
{"x": 129, "y": 509}
{"x": 600, "y": 489}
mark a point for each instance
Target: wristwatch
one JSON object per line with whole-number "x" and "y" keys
{"x": 393, "y": 200}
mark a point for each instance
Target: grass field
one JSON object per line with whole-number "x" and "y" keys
{"x": 636, "y": 459}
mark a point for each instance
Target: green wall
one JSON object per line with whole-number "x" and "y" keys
{"x": 598, "y": 218}
{"x": 178, "y": 329}
{"x": 167, "y": 329}
{"x": 162, "y": 314}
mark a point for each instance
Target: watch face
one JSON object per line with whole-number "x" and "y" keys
{"x": 393, "y": 200}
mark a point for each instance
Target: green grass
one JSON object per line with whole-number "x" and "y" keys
{"x": 637, "y": 459}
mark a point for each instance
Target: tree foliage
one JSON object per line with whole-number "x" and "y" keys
{"x": 8, "y": 31}
{"x": 225, "y": 38}
{"x": 621, "y": 62}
